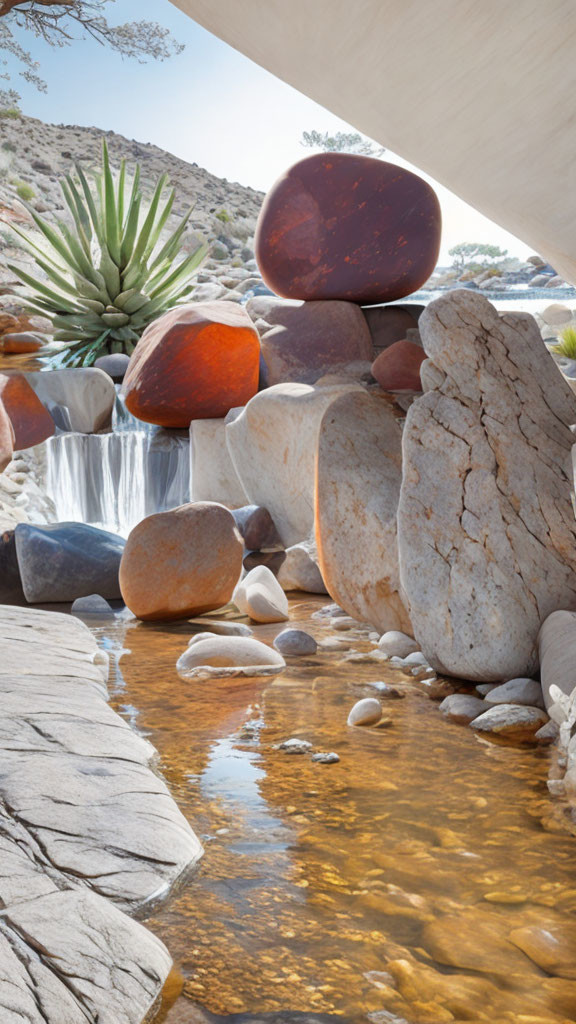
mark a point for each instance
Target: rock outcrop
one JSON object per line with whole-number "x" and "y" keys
{"x": 486, "y": 524}
{"x": 358, "y": 478}
{"x": 338, "y": 226}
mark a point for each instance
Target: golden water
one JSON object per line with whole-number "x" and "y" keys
{"x": 383, "y": 887}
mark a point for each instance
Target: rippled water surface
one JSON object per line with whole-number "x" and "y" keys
{"x": 423, "y": 878}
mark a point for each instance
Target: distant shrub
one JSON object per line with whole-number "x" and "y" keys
{"x": 10, "y": 112}
{"x": 567, "y": 345}
{"x": 224, "y": 216}
{"x": 25, "y": 191}
{"x": 9, "y": 147}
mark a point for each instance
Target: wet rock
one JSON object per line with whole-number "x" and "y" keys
{"x": 260, "y": 596}
{"x": 557, "y": 648}
{"x": 212, "y": 473}
{"x": 365, "y": 712}
{"x": 299, "y": 569}
{"x": 512, "y": 721}
{"x": 551, "y": 946}
{"x": 21, "y": 343}
{"x": 338, "y": 226}
{"x": 181, "y": 563}
{"x": 115, "y": 365}
{"x": 517, "y": 691}
{"x": 548, "y": 733}
{"x": 273, "y": 560}
{"x": 81, "y": 399}
{"x": 473, "y": 941}
{"x": 389, "y": 324}
{"x": 257, "y": 527}
{"x": 295, "y": 641}
{"x": 462, "y": 708}
{"x": 195, "y": 362}
{"x": 296, "y": 746}
{"x": 483, "y": 559}
{"x": 222, "y": 627}
{"x": 273, "y": 445}
{"x": 326, "y": 758}
{"x": 301, "y": 341}
{"x": 397, "y": 368}
{"x": 64, "y": 561}
{"x": 92, "y": 604}
{"x": 221, "y": 657}
{"x": 358, "y": 478}
{"x": 31, "y": 422}
{"x": 396, "y": 644}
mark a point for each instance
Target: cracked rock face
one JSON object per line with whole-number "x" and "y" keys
{"x": 487, "y": 534}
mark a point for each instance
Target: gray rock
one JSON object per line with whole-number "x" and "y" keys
{"x": 296, "y": 746}
{"x": 484, "y": 557}
{"x": 484, "y": 688}
{"x": 78, "y": 399}
{"x": 326, "y": 758}
{"x": 517, "y": 691}
{"x": 512, "y": 721}
{"x": 91, "y": 605}
{"x": 365, "y": 712}
{"x": 295, "y": 641}
{"x": 462, "y": 708}
{"x": 63, "y": 561}
{"x": 210, "y": 656}
{"x": 115, "y": 365}
{"x": 299, "y": 569}
{"x": 396, "y": 644}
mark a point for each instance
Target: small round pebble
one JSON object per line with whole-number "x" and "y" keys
{"x": 94, "y": 604}
{"x": 323, "y": 758}
{"x": 396, "y": 644}
{"x": 365, "y": 712}
{"x": 296, "y": 746}
{"x": 295, "y": 641}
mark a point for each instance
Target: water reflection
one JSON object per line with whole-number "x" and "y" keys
{"x": 423, "y": 878}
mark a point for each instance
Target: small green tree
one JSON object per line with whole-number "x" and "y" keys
{"x": 341, "y": 142}
{"x": 475, "y": 255}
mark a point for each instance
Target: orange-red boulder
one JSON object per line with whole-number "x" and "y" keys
{"x": 181, "y": 563}
{"x": 338, "y": 226}
{"x": 6, "y": 438}
{"x": 31, "y": 421}
{"x": 397, "y": 368}
{"x": 196, "y": 362}
{"x": 20, "y": 343}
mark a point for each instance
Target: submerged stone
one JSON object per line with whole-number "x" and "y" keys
{"x": 365, "y": 712}
{"x": 223, "y": 656}
{"x": 512, "y": 721}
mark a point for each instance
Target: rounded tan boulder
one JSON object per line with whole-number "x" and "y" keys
{"x": 181, "y": 563}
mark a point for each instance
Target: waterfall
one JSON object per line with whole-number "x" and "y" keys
{"x": 114, "y": 480}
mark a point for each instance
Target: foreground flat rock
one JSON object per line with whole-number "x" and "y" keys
{"x": 87, "y": 831}
{"x": 358, "y": 478}
{"x": 486, "y": 525}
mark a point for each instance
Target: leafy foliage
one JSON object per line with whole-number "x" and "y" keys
{"x": 109, "y": 275}
{"x": 341, "y": 142}
{"x": 567, "y": 344}
{"x": 55, "y": 21}
{"x": 475, "y": 255}
{"x": 25, "y": 191}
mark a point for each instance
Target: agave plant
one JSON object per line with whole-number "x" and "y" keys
{"x": 107, "y": 274}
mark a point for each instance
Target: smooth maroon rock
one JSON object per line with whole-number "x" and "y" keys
{"x": 397, "y": 368}
{"x": 388, "y": 324}
{"x": 338, "y": 226}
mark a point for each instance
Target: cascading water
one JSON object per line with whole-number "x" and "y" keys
{"x": 113, "y": 480}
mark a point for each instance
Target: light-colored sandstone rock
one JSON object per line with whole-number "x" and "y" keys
{"x": 295, "y": 641}
{"x": 78, "y": 399}
{"x": 486, "y": 525}
{"x": 358, "y": 478}
{"x": 273, "y": 446}
{"x": 301, "y": 341}
{"x": 212, "y": 473}
{"x": 64, "y": 561}
{"x": 260, "y": 596}
{"x": 396, "y": 644}
{"x": 517, "y": 691}
{"x": 222, "y": 627}
{"x": 365, "y": 712}
{"x": 557, "y": 647}
{"x": 223, "y": 656}
{"x": 462, "y": 708}
{"x": 300, "y": 570}
{"x": 181, "y": 563}
{"x": 513, "y": 721}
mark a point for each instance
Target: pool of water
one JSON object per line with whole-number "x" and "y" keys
{"x": 408, "y": 882}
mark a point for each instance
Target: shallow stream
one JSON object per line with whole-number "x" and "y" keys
{"x": 400, "y": 884}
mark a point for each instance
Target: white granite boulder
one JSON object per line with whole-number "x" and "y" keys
{"x": 300, "y": 570}
{"x": 462, "y": 708}
{"x": 210, "y": 656}
{"x": 273, "y": 446}
{"x": 487, "y": 534}
{"x": 260, "y": 596}
{"x": 358, "y": 478}
{"x": 81, "y": 399}
{"x": 212, "y": 473}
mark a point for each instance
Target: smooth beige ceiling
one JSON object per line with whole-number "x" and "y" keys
{"x": 480, "y": 94}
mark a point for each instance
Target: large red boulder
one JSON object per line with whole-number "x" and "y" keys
{"x": 196, "y": 362}
{"x": 338, "y": 226}
{"x": 397, "y": 368}
{"x": 6, "y": 438}
{"x": 31, "y": 421}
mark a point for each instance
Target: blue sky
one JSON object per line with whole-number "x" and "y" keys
{"x": 210, "y": 105}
